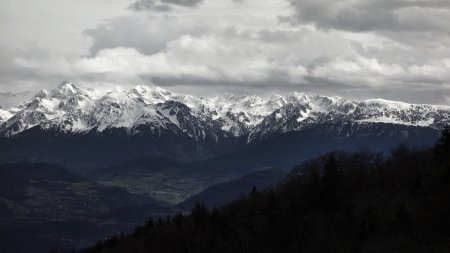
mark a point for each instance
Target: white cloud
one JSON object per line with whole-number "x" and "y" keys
{"x": 240, "y": 47}
{"x": 373, "y": 15}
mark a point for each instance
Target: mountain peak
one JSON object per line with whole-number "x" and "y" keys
{"x": 298, "y": 98}
{"x": 67, "y": 89}
{"x": 42, "y": 94}
{"x": 67, "y": 85}
{"x": 143, "y": 88}
{"x": 152, "y": 94}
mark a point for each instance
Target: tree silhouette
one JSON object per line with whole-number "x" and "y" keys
{"x": 340, "y": 202}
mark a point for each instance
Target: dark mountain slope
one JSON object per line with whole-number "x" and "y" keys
{"x": 174, "y": 181}
{"x": 285, "y": 150}
{"x": 221, "y": 194}
{"x": 341, "y": 202}
{"x": 93, "y": 150}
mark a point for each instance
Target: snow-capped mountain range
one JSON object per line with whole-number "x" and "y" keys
{"x": 72, "y": 109}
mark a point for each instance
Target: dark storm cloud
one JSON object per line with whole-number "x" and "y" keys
{"x": 162, "y": 5}
{"x": 144, "y": 5}
{"x": 186, "y": 3}
{"x": 373, "y": 15}
{"x": 166, "y": 5}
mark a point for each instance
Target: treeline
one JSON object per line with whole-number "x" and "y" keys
{"x": 340, "y": 202}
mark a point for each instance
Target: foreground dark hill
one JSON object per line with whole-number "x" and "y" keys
{"x": 341, "y": 202}
{"x": 214, "y": 196}
{"x": 224, "y": 193}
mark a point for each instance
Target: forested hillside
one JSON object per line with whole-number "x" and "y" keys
{"x": 340, "y": 202}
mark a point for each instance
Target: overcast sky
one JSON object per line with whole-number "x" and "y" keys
{"x": 394, "y": 49}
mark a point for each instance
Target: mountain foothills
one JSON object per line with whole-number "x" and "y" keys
{"x": 339, "y": 202}
{"x": 44, "y": 205}
{"x": 67, "y": 124}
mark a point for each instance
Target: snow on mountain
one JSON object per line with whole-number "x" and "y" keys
{"x": 72, "y": 109}
{"x": 5, "y": 115}
{"x": 119, "y": 109}
{"x": 303, "y": 111}
{"x": 149, "y": 109}
{"x": 151, "y": 94}
{"x": 282, "y": 120}
{"x": 63, "y": 108}
{"x": 236, "y": 114}
{"x": 195, "y": 125}
{"x": 380, "y": 110}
